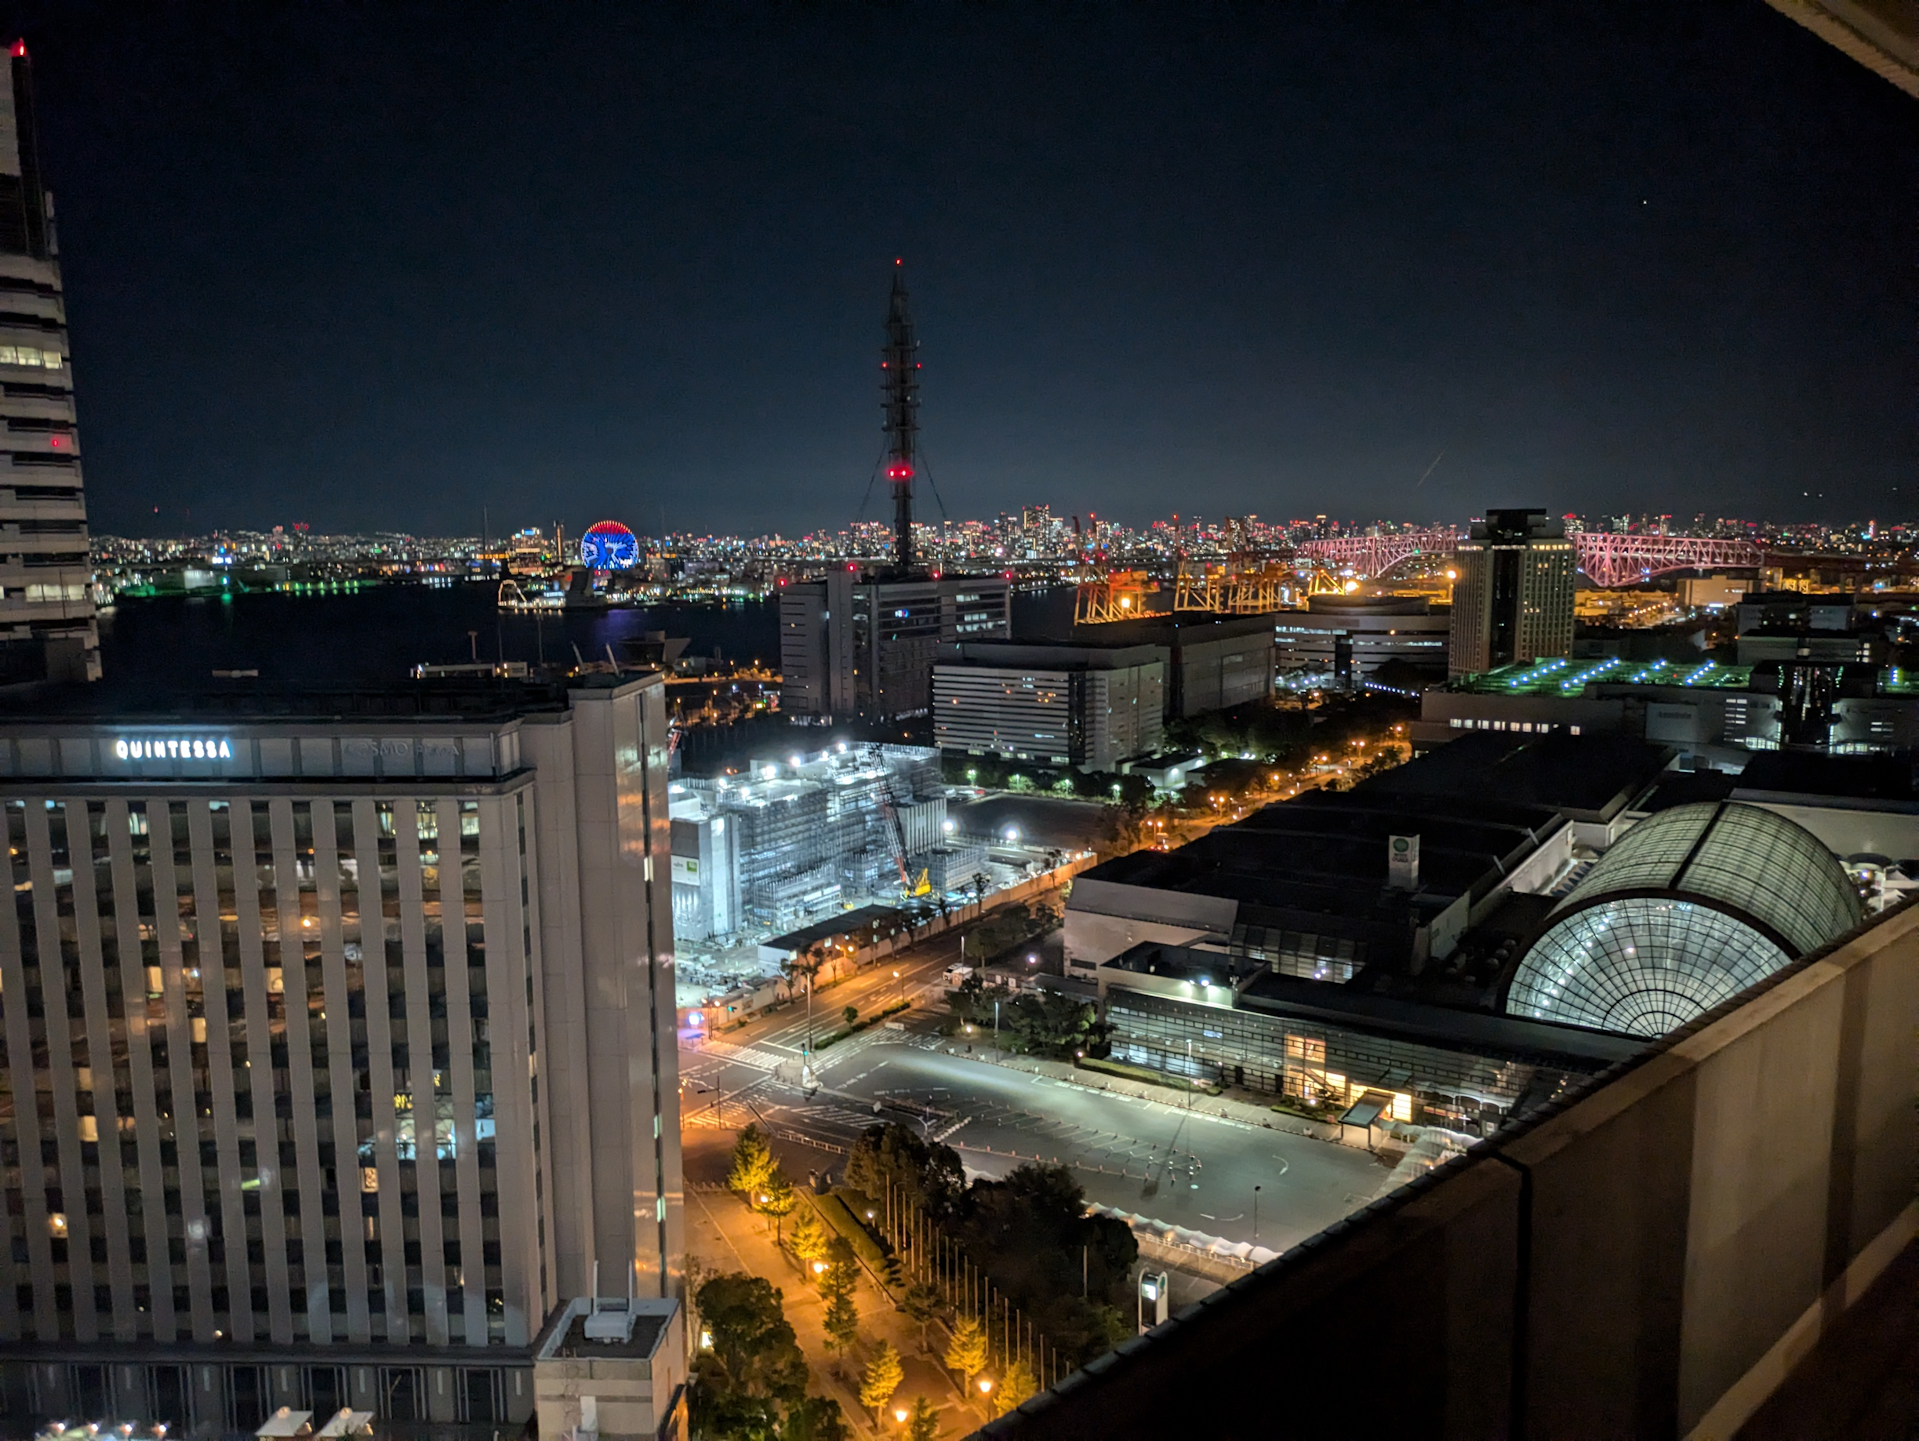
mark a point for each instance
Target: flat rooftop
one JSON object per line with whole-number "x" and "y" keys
{"x": 650, "y": 1320}
{"x": 1586, "y": 777}
{"x": 847, "y": 922}
{"x": 1327, "y": 851}
{"x": 1570, "y": 677}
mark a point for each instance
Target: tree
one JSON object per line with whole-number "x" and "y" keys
{"x": 842, "y": 1266}
{"x": 754, "y": 1361}
{"x": 1015, "y": 1387}
{"x": 924, "y": 1424}
{"x": 881, "y": 1379}
{"x": 966, "y": 1352}
{"x": 814, "y": 1418}
{"x": 893, "y": 1157}
{"x": 920, "y": 1303}
{"x": 809, "y": 1237}
{"x": 778, "y": 1199}
{"x": 1050, "y": 1024}
{"x": 753, "y": 1165}
{"x": 837, "y": 1283}
{"x": 842, "y": 1320}
{"x": 850, "y": 1014}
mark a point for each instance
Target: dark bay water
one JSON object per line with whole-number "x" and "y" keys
{"x": 382, "y": 632}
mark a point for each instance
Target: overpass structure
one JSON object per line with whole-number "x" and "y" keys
{"x": 1607, "y": 560}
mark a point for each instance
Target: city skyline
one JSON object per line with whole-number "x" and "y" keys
{"x": 1655, "y": 266}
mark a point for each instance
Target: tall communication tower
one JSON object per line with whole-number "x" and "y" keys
{"x": 900, "y": 385}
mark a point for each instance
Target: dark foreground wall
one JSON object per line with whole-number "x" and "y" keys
{"x": 1648, "y": 1259}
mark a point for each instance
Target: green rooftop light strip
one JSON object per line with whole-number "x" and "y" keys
{"x": 1560, "y": 678}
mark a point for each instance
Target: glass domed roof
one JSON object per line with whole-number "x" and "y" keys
{"x": 1690, "y": 907}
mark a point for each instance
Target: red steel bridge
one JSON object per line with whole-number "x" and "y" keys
{"x": 1607, "y": 560}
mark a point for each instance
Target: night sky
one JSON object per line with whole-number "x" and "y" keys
{"x": 368, "y": 269}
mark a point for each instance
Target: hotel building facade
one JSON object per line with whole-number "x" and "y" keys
{"x": 336, "y": 1045}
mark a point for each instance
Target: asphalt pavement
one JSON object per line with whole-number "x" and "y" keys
{"x": 1155, "y": 1158}
{"x": 1158, "y": 1159}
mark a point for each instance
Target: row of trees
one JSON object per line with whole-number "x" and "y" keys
{"x": 829, "y": 1261}
{"x": 1028, "y": 1236}
{"x": 749, "y": 1379}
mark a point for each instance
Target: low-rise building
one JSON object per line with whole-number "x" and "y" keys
{"x": 614, "y": 1370}
{"x": 1084, "y": 706}
{"x": 1196, "y": 1013}
{"x": 1213, "y": 661}
{"x": 1716, "y": 715}
{"x": 1351, "y": 636}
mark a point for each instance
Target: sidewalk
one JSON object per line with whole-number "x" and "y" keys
{"x": 725, "y": 1236}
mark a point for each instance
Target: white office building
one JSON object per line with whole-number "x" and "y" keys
{"x": 337, "y": 1045}
{"x": 1087, "y": 706}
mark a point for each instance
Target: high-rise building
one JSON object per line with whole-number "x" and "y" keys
{"x": 47, "y": 626}
{"x": 854, "y": 644}
{"x": 338, "y": 1048}
{"x": 1513, "y": 599}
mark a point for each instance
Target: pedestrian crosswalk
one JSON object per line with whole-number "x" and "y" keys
{"x": 754, "y": 1056}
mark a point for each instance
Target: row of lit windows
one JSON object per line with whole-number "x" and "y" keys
{"x": 232, "y": 1048}
{"x": 1530, "y": 727}
{"x": 31, "y": 355}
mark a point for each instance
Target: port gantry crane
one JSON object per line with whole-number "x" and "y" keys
{"x": 1104, "y": 594}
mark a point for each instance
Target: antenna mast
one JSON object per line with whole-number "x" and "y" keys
{"x": 900, "y": 385}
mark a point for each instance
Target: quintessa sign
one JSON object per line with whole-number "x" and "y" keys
{"x": 185, "y": 748}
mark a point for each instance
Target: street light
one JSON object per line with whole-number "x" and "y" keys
{"x": 1255, "y": 1215}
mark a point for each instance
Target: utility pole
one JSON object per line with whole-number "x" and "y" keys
{"x": 1255, "y": 1215}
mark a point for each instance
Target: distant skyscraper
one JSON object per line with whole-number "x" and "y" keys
{"x": 47, "y": 627}
{"x": 1513, "y": 600}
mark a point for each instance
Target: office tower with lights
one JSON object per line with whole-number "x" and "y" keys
{"x": 47, "y": 626}
{"x": 336, "y": 1044}
{"x": 1513, "y": 600}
